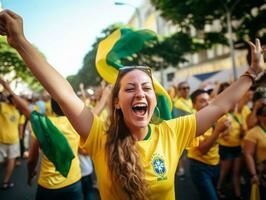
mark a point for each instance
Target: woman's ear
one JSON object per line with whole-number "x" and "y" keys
{"x": 116, "y": 104}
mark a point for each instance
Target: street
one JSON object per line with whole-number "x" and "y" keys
{"x": 21, "y": 191}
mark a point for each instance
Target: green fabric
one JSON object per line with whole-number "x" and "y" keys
{"x": 164, "y": 107}
{"x": 130, "y": 42}
{"x": 235, "y": 117}
{"x": 52, "y": 142}
{"x": 127, "y": 43}
{"x": 263, "y": 129}
{"x": 148, "y": 134}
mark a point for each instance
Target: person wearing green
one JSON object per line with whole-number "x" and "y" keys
{"x": 59, "y": 171}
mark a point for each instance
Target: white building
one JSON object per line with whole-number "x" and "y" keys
{"x": 203, "y": 62}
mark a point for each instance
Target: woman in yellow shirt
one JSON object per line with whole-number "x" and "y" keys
{"x": 255, "y": 151}
{"x": 135, "y": 160}
{"x": 52, "y": 184}
{"x": 230, "y": 150}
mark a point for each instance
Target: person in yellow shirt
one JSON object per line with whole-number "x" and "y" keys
{"x": 133, "y": 158}
{"x": 255, "y": 151}
{"x": 230, "y": 149}
{"x": 52, "y": 185}
{"x": 182, "y": 104}
{"x": 9, "y": 138}
{"x": 257, "y": 101}
{"x": 48, "y": 109}
{"x": 204, "y": 158}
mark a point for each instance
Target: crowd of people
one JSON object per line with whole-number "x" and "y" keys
{"x": 221, "y": 131}
{"x": 227, "y": 148}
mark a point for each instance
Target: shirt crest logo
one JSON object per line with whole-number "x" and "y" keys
{"x": 12, "y": 118}
{"x": 158, "y": 165}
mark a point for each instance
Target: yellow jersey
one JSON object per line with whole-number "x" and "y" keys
{"x": 244, "y": 115}
{"x": 234, "y": 138}
{"x": 258, "y": 136}
{"x": 212, "y": 157}
{"x": 160, "y": 154}
{"x": 9, "y": 122}
{"x": 184, "y": 104}
{"x": 48, "y": 109}
{"x": 50, "y": 178}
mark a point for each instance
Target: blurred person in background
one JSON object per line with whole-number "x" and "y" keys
{"x": 257, "y": 101}
{"x": 230, "y": 149}
{"x": 9, "y": 137}
{"x": 204, "y": 158}
{"x": 255, "y": 151}
{"x": 182, "y": 106}
{"x": 88, "y": 179}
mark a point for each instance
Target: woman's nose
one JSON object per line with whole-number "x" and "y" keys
{"x": 140, "y": 93}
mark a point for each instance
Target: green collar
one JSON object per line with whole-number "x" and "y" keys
{"x": 148, "y": 134}
{"x": 263, "y": 129}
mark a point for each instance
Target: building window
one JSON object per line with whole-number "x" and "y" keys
{"x": 170, "y": 76}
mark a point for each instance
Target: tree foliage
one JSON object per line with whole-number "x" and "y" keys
{"x": 247, "y": 16}
{"x": 12, "y": 65}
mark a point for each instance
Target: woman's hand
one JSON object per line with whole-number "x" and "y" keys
{"x": 255, "y": 179}
{"x": 257, "y": 57}
{"x": 11, "y": 25}
{"x": 5, "y": 84}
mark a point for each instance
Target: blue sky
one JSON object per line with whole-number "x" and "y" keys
{"x": 64, "y": 30}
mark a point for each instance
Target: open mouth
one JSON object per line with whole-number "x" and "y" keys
{"x": 140, "y": 109}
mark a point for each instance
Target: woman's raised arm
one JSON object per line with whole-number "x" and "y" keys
{"x": 229, "y": 97}
{"x": 80, "y": 117}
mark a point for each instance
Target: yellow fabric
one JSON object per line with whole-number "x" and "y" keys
{"x": 104, "y": 115}
{"x": 244, "y": 115}
{"x": 255, "y": 192}
{"x": 257, "y": 136}
{"x": 184, "y": 104}
{"x": 212, "y": 157}
{"x": 48, "y": 109}
{"x": 234, "y": 138}
{"x": 164, "y": 147}
{"x": 108, "y": 72}
{"x": 22, "y": 119}
{"x": 36, "y": 108}
{"x": 9, "y": 121}
{"x": 50, "y": 178}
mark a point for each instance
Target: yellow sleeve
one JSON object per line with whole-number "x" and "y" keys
{"x": 251, "y": 135}
{"x": 185, "y": 131}
{"x": 94, "y": 141}
{"x": 22, "y": 119}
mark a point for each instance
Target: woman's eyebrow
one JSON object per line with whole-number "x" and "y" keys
{"x": 146, "y": 83}
{"x": 133, "y": 84}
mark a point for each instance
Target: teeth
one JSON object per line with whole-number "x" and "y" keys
{"x": 140, "y": 105}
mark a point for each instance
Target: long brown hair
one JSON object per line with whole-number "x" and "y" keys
{"x": 122, "y": 154}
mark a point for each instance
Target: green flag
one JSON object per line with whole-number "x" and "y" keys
{"x": 52, "y": 142}
{"x": 120, "y": 44}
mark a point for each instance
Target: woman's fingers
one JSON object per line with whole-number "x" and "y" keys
{"x": 252, "y": 46}
{"x": 5, "y": 17}
{"x": 258, "y": 46}
{"x": 12, "y": 14}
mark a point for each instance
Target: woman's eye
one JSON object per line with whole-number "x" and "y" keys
{"x": 129, "y": 89}
{"x": 147, "y": 88}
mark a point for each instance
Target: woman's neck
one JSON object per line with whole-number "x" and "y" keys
{"x": 140, "y": 133}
